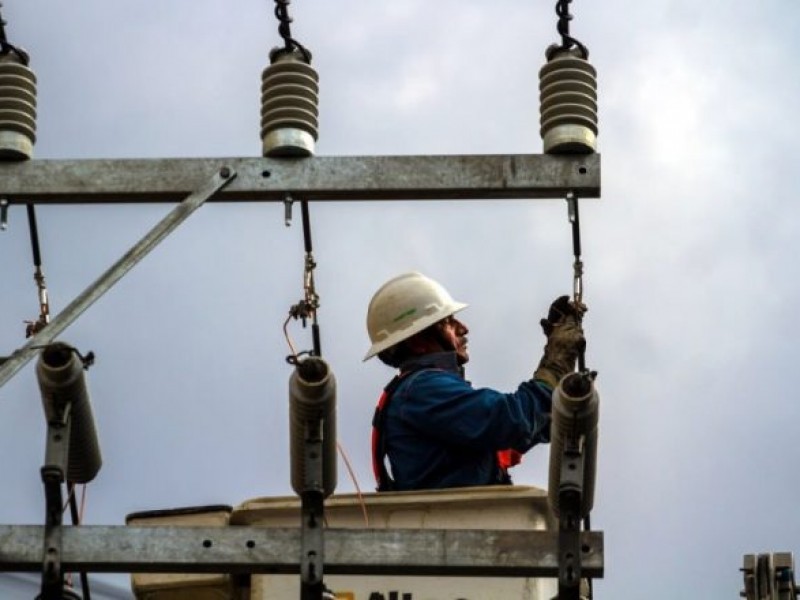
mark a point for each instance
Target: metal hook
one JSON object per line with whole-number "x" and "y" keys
{"x": 567, "y": 41}
{"x": 571, "y": 207}
{"x": 577, "y": 265}
{"x": 87, "y": 360}
{"x": 3, "y": 24}
{"x": 287, "y": 210}
{"x": 284, "y": 29}
{"x": 3, "y": 214}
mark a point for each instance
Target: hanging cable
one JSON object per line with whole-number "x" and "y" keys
{"x": 305, "y": 309}
{"x": 353, "y": 478}
{"x": 34, "y": 327}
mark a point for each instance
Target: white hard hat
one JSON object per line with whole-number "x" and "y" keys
{"x": 406, "y": 305}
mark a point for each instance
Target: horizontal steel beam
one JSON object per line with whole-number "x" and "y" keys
{"x": 118, "y": 549}
{"x": 318, "y": 178}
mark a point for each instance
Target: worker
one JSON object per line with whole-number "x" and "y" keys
{"x": 436, "y": 429}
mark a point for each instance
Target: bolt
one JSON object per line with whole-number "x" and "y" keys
{"x": 225, "y": 172}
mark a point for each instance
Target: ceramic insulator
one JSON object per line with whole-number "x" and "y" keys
{"x": 568, "y": 104}
{"x": 17, "y": 108}
{"x": 312, "y": 404}
{"x": 574, "y": 417}
{"x": 62, "y": 381}
{"x": 289, "y": 105}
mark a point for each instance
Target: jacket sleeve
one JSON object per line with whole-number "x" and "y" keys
{"x": 444, "y": 406}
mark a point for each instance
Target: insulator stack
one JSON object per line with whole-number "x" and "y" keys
{"x": 62, "y": 382}
{"x": 17, "y": 108}
{"x": 312, "y": 414}
{"x": 568, "y": 104}
{"x": 289, "y": 105}
{"x": 575, "y": 417}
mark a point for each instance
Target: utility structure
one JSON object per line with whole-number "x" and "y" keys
{"x": 569, "y": 169}
{"x": 769, "y": 576}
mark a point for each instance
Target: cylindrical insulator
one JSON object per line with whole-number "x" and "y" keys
{"x": 312, "y": 412}
{"x": 289, "y": 105}
{"x": 17, "y": 108}
{"x": 62, "y": 382}
{"x": 568, "y": 104}
{"x": 575, "y": 415}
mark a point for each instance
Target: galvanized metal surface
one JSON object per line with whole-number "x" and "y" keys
{"x": 320, "y": 178}
{"x": 222, "y": 176}
{"x": 474, "y": 553}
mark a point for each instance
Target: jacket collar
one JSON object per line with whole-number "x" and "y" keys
{"x": 445, "y": 361}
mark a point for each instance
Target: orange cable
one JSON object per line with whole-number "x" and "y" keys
{"x": 355, "y": 482}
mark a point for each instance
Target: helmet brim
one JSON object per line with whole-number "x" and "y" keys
{"x": 417, "y": 326}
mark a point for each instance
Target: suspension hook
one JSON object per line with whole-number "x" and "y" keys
{"x": 3, "y": 214}
{"x": 6, "y": 46}
{"x": 87, "y": 360}
{"x": 567, "y": 41}
{"x": 577, "y": 269}
{"x": 577, "y": 265}
{"x": 34, "y": 327}
{"x": 284, "y": 29}
{"x": 306, "y": 308}
{"x": 3, "y": 23}
{"x": 288, "y": 201}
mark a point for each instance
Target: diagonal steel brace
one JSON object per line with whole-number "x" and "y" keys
{"x": 114, "y": 273}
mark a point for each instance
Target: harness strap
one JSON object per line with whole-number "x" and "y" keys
{"x": 508, "y": 458}
{"x": 382, "y": 477}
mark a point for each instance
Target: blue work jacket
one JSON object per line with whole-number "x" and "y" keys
{"x": 442, "y": 432}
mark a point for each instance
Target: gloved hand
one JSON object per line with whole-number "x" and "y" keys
{"x": 565, "y": 340}
{"x": 561, "y": 310}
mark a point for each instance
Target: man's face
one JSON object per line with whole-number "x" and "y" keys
{"x": 455, "y": 332}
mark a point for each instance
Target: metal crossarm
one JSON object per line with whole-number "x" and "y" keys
{"x": 445, "y": 552}
{"x": 320, "y": 178}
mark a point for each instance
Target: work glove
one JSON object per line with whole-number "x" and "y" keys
{"x": 565, "y": 340}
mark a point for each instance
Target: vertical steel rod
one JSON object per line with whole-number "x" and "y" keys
{"x": 577, "y": 286}
{"x": 143, "y": 247}
{"x": 76, "y": 520}
{"x": 37, "y": 257}
{"x": 312, "y": 545}
{"x": 315, "y": 337}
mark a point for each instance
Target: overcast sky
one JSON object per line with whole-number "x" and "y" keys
{"x": 689, "y": 254}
